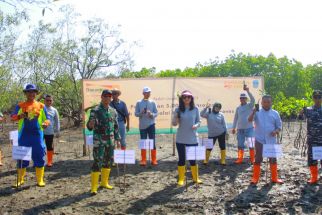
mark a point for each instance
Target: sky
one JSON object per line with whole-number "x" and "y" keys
{"x": 180, "y": 33}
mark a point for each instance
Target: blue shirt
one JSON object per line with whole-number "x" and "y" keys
{"x": 121, "y": 110}
{"x": 265, "y": 123}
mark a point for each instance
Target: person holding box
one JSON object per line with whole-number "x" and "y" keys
{"x": 146, "y": 110}
{"x": 103, "y": 122}
{"x": 216, "y": 130}
{"x": 188, "y": 119}
{"x": 268, "y": 124}
{"x": 314, "y": 133}
{"x": 245, "y": 128}
{"x": 32, "y": 119}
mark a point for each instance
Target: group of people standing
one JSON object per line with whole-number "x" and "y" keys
{"x": 110, "y": 121}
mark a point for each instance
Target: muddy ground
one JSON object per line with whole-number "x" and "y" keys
{"x": 153, "y": 190}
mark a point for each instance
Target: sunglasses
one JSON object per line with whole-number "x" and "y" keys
{"x": 242, "y": 98}
{"x": 186, "y": 97}
{"x": 48, "y": 100}
{"x": 317, "y": 97}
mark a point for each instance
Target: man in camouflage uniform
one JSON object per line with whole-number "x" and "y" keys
{"x": 314, "y": 132}
{"x": 103, "y": 122}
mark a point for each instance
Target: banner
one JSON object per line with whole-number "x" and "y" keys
{"x": 164, "y": 93}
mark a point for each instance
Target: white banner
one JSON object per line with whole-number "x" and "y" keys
{"x": 272, "y": 150}
{"x": 146, "y": 144}
{"x": 317, "y": 152}
{"x": 21, "y": 153}
{"x": 124, "y": 156}
{"x": 195, "y": 153}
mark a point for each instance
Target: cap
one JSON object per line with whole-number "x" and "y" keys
{"x": 116, "y": 91}
{"x": 146, "y": 89}
{"x": 317, "y": 93}
{"x": 104, "y": 92}
{"x": 30, "y": 87}
{"x": 243, "y": 95}
{"x": 186, "y": 93}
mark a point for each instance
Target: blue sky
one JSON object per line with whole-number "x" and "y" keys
{"x": 180, "y": 33}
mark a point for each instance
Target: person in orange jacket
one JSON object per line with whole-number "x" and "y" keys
{"x": 268, "y": 124}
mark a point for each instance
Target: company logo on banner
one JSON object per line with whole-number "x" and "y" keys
{"x": 164, "y": 93}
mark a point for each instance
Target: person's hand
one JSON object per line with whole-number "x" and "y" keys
{"x": 233, "y": 131}
{"x": 127, "y": 127}
{"x": 246, "y": 88}
{"x": 274, "y": 133}
{"x": 149, "y": 113}
{"x": 91, "y": 124}
{"x": 194, "y": 127}
{"x": 44, "y": 125}
{"x": 208, "y": 104}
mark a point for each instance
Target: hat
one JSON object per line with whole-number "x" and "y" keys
{"x": 115, "y": 90}
{"x": 317, "y": 93}
{"x": 146, "y": 89}
{"x": 186, "y": 93}
{"x": 104, "y": 92}
{"x": 243, "y": 95}
{"x": 30, "y": 87}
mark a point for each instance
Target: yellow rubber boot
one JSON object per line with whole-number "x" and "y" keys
{"x": 104, "y": 178}
{"x": 40, "y": 172}
{"x": 208, "y": 152}
{"x": 195, "y": 174}
{"x": 181, "y": 175}
{"x": 94, "y": 182}
{"x": 223, "y": 157}
{"x": 21, "y": 177}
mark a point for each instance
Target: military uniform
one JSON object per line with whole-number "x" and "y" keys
{"x": 105, "y": 131}
{"x": 314, "y": 133}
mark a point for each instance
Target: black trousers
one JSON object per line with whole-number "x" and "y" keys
{"x": 49, "y": 140}
{"x": 181, "y": 148}
{"x": 221, "y": 139}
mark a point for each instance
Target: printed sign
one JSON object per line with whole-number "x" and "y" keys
{"x": 195, "y": 152}
{"x": 164, "y": 93}
{"x": 89, "y": 140}
{"x": 272, "y": 151}
{"x": 21, "y": 153}
{"x": 317, "y": 152}
{"x": 124, "y": 156}
{"x": 146, "y": 144}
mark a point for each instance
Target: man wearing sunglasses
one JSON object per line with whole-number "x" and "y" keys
{"x": 103, "y": 122}
{"x": 245, "y": 128}
{"x": 52, "y": 129}
{"x": 314, "y": 133}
